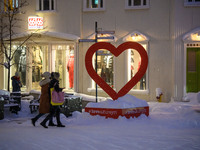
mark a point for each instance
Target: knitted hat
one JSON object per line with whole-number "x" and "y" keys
{"x": 46, "y": 75}
{"x": 17, "y": 74}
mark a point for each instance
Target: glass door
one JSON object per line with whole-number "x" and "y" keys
{"x": 39, "y": 64}
{"x": 63, "y": 62}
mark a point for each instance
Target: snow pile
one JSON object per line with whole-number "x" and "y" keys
{"x": 126, "y": 101}
{"x": 198, "y": 97}
{"x": 158, "y": 92}
{"x": 170, "y": 126}
{"x": 34, "y": 92}
{"x": 89, "y": 97}
{"x": 3, "y": 92}
{"x": 193, "y": 98}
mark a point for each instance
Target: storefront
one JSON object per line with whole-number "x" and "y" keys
{"x": 117, "y": 71}
{"x": 49, "y": 52}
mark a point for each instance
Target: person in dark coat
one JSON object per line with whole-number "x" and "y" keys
{"x": 44, "y": 106}
{"x": 16, "y": 89}
{"x": 54, "y": 110}
{"x": 16, "y": 83}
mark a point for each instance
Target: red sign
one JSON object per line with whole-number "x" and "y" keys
{"x": 35, "y": 22}
{"x": 116, "y": 112}
{"x": 116, "y": 52}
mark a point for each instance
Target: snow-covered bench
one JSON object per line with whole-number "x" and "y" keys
{"x": 11, "y": 100}
{"x": 34, "y": 105}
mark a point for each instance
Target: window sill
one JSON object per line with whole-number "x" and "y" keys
{"x": 141, "y": 92}
{"x": 136, "y": 7}
{"x": 94, "y": 90}
{"x": 46, "y": 11}
{"x": 93, "y": 9}
{"x": 192, "y": 4}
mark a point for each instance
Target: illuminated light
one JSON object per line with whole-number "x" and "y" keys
{"x": 136, "y": 37}
{"x": 195, "y": 37}
{"x": 14, "y": 46}
{"x": 59, "y": 47}
{"x": 35, "y": 22}
{"x": 96, "y": 2}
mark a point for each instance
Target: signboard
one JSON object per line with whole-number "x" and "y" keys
{"x": 35, "y": 22}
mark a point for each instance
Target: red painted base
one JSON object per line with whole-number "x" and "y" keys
{"x": 115, "y": 113}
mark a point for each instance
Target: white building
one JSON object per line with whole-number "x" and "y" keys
{"x": 169, "y": 30}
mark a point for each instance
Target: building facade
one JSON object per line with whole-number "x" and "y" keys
{"x": 168, "y": 30}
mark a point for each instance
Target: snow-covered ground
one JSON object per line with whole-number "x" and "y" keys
{"x": 170, "y": 126}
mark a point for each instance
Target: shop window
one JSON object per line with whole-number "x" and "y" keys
{"x": 136, "y": 4}
{"x": 20, "y": 64}
{"x": 104, "y": 66}
{"x": 63, "y": 62}
{"x": 134, "y": 62}
{"x": 39, "y": 64}
{"x": 93, "y": 5}
{"x": 192, "y": 3}
{"x": 10, "y": 5}
{"x": 45, "y": 5}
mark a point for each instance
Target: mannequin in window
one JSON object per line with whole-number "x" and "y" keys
{"x": 142, "y": 80}
{"x": 70, "y": 69}
{"x": 36, "y": 64}
{"x": 22, "y": 65}
{"x": 103, "y": 72}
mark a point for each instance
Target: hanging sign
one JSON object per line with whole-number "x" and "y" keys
{"x": 35, "y": 22}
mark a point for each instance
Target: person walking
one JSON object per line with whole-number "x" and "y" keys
{"x": 54, "y": 110}
{"x": 44, "y": 106}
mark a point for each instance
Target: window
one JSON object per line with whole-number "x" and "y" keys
{"x": 136, "y": 4}
{"x": 104, "y": 66}
{"x": 45, "y": 5}
{"x": 134, "y": 62}
{"x": 63, "y": 62}
{"x": 10, "y": 5}
{"x": 192, "y": 3}
{"x": 94, "y": 5}
{"x": 39, "y": 64}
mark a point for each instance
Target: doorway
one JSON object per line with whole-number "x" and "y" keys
{"x": 39, "y": 64}
{"x": 63, "y": 62}
{"x": 193, "y": 70}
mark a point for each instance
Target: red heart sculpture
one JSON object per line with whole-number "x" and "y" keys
{"x": 116, "y": 52}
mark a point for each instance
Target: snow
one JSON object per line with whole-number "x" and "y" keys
{"x": 170, "y": 126}
{"x": 158, "y": 92}
{"x": 126, "y": 101}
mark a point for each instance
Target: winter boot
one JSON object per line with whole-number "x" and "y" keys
{"x": 33, "y": 120}
{"x": 43, "y": 124}
{"x": 51, "y": 123}
{"x": 60, "y": 125}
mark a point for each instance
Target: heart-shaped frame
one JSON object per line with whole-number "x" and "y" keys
{"x": 116, "y": 52}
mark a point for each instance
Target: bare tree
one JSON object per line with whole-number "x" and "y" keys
{"x": 11, "y": 12}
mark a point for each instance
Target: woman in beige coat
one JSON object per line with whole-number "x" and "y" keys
{"x": 44, "y": 98}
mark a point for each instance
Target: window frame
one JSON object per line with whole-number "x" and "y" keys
{"x": 13, "y": 3}
{"x": 127, "y": 57}
{"x": 40, "y": 7}
{"x": 193, "y": 3}
{"x": 138, "y": 6}
{"x": 93, "y": 9}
